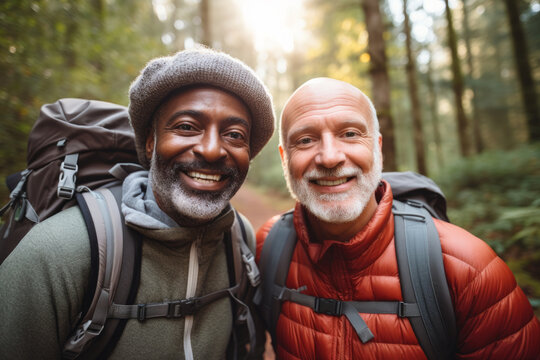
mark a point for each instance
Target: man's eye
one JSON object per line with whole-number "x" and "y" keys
{"x": 235, "y": 135}
{"x": 350, "y": 134}
{"x": 305, "y": 141}
{"x": 186, "y": 127}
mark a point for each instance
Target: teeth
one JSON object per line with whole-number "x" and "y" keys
{"x": 206, "y": 177}
{"x": 331, "y": 182}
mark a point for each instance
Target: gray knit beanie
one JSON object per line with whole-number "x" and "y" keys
{"x": 200, "y": 66}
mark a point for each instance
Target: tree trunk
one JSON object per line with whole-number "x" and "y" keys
{"x": 523, "y": 69}
{"x": 99, "y": 8}
{"x": 432, "y": 91}
{"x": 457, "y": 86}
{"x": 413, "y": 95}
{"x": 477, "y": 134}
{"x": 380, "y": 80}
{"x": 204, "y": 10}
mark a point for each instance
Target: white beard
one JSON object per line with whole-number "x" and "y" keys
{"x": 174, "y": 198}
{"x": 337, "y": 208}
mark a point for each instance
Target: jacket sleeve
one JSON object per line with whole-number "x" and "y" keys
{"x": 42, "y": 288}
{"x": 494, "y": 317}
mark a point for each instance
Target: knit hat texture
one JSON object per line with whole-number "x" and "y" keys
{"x": 200, "y": 66}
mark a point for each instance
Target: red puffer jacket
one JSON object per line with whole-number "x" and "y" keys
{"x": 494, "y": 317}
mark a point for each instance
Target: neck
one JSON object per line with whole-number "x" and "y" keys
{"x": 322, "y": 230}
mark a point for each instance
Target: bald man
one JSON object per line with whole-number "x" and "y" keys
{"x": 331, "y": 156}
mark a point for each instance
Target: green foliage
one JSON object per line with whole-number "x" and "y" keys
{"x": 57, "y": 48}
{"x": 496, "y": 196}
{"x": 266, "y": 171}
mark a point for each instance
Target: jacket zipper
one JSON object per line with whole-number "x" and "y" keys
{"x": 191, "y": 290}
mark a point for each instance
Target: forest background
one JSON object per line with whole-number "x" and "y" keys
{"x": 455, "y": 84}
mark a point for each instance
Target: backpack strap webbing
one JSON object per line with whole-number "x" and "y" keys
{"x": 423, "y": 279}
{"x": 168, "y": 309}
{"x": 115, "y": 259}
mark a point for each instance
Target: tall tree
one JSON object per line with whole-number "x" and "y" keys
{"x": 457, "y": 85}
{"x": 477, "y": 134}
{"x": 380, "y": 79}
{"x": 418, "y": 132}
{"x": 204, "y": 10}
{"x": 433, "y": 101}
{"x": 99, "y": 28}
{"x": 523, "y": 69}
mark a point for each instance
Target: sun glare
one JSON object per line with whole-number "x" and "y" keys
{"x": 275, "y": 24}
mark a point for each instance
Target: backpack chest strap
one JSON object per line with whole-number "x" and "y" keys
{"x": 168, "y": 309}
{"x": 350, "y": 309}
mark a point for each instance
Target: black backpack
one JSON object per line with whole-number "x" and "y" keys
{"x": 426, "y": 298}
{"x": 79, "y": 151}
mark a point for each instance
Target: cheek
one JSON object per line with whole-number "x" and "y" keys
{"x": 298, "y": 164}
{"x": 169, "y": 146}
{"x": 241, "y": 159}
{"x": 362, "y": 157}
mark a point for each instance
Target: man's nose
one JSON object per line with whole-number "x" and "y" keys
{"x": 210, "y": 148}
{"x": 330, "y": 152}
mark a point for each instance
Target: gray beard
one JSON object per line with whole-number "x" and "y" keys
{"x": 180, "y": 202}
{"x": 329, "y": 207}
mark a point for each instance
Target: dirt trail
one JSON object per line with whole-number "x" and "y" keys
{"x": 259, "y": 206}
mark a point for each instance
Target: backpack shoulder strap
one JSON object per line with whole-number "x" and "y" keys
{"x": 246, "y": 277}
{"x": 115, "y": 259}
{"x": 423, "y": 279}
{"x": 275, "y": 259}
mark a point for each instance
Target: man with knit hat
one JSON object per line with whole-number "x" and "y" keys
{"x": 199, "y": 117}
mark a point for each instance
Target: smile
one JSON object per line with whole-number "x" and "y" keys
{"x": 331, "y": 182}
{"x": 204, "y": 178}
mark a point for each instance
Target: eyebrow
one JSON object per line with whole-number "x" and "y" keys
{"x": 232, "y": 120}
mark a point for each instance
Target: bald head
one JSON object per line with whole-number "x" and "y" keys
{"x": 324, "y": 95}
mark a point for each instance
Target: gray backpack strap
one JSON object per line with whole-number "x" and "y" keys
{"x": 115, "y": 264}
{"x": 423, "y": 279}
{"x": 274, "y": 263}
{"x": 107, "y": 223}
{"x": 248, "y": 278}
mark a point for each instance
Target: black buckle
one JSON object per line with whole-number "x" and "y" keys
{"x": 180, "y": 308}
{"x": 401, "y": 309}
{"x": 328, "y": 306}
{"x": 141, "y": 312}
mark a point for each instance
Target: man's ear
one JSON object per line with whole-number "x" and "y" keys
{"x": 380, "y": 149}
{"x": 150, "y": 139}
{"x": 281, "y": 154}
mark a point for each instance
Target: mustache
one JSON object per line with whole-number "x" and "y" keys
{"x": 204, "y": 165}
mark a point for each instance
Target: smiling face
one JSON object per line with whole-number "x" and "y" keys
{"x": 199, "y": 153}
{"x": 331, "y": 151}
